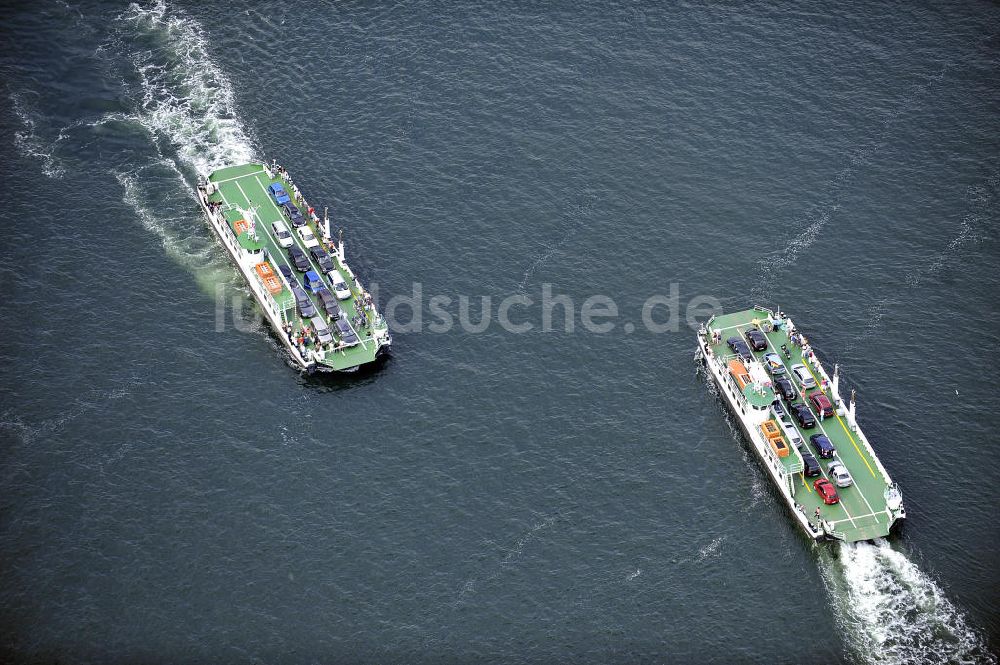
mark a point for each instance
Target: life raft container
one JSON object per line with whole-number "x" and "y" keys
{"x": 268, "y": 277}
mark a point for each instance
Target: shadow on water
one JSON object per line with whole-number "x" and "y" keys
{"x": 326, "y": 382}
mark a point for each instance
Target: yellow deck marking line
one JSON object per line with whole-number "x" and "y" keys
{"x": 805, "y": 363}
{"x": 863, "y": 458}
{"x": 804, "y": 483}
{"x": 853, "y": 442}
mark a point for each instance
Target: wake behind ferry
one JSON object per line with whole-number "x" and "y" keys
{"x": 803, "y": 431}
{"x": 296, "y": 271}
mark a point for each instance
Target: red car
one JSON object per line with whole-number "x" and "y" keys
{"x": 822, "y": 404}
{"x": 826, "y": 490}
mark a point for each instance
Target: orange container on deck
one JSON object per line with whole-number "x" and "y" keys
{"x": 268, "y": 278}
{"x": 239, "y": 226}
{"x": 771, "y": 429}
{"x": 779, "y": 446}
{"x": 264, "y": 269}
{"x": 739, "y": 373}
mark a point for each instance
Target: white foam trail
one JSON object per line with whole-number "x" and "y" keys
{"x": 771, "y": 265}
{"x": 185, "y": 103}
{"x": 30, "y": 144}
{"x": 510, "y": 558}
{"x": 186, "y": 100}
{"x": 711, "y": 549}
{"x": 196, "y": 251}
{"x": 70, "y": 411}
{"x": 892, "y": 612}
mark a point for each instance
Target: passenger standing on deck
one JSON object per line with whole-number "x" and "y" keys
{"x": 818, "y": 518}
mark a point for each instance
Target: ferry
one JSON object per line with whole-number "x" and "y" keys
{"x": 295, "y": 269}
{"x": 805, "y": 434}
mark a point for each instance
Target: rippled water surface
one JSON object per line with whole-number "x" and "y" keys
{"x": 172, "y": 491}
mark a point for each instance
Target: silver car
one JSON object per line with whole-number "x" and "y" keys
{"x": 322, "y": 330}
{"x": 839, "y": 474}
{"x": 803, "y": 376}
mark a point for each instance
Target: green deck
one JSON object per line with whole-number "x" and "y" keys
{"x": 861, "y": 513}
{"x": 246, "y": 186}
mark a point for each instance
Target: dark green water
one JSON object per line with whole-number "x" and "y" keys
{"x": 173, "y": 492}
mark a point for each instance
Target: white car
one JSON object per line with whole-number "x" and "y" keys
{"x": 281, "y": 234}
{"x": 308, "y": 239}
{"x": 339, "y": 285}
{"x": 839, "y": 474}
{"x": 805, "y": 379}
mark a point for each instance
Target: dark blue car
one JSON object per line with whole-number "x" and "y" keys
{"x": 322, "y": 258}
{"x": 298, "y": 257}
{"x": 740, "y": 348}
{"x": 823, "y": 445}
{"x": 329, "y": 302}
{"x": 307, "y": 309}
{"x": 347, "y": 335}
{"x": 804, "y": 416}
{"x": 294, "y": 214}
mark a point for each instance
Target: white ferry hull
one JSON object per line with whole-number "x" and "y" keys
{"x": 757, "y": 442}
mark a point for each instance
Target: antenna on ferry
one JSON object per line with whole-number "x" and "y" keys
{"x": 250, "y": 215}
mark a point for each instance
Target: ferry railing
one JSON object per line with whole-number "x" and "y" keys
{"x": 857, "y": 433}
{"x": 269, "y": 300}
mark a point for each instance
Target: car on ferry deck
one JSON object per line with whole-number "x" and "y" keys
{"x": 804, "y": 416}
{"x": 308, "y": 239}
{"x": 778, "y": 409}
{"x": 784, "y": 387}
{"x": 822, "y": 403}
{"x": 298, "y": 257}
{"x": 347, "y": 335}
{"x": 740, "y": 348}
{"x": 757, "y": 339}
{"x": 322, "y": 330}
{"x": 339, "y": 285}
{"x": 802, "y": 375}
{"x": 286, "y": 271}
{"x": 841, "y": 476}
{"x": 823, "y": 445}
{"x": 306, "y": 308}
{"x": 294, "y": 216}
{"x": 322, "y": 258}
{"x": 811, "y": 467}
{"x": 773, "y": 364}
{"x": 826, "y": 491}
{"x": 281, "y": 233}
{"x": 329, "y": 302}
{"x": 278, "y": 193}
{"x": 312, "y": 281}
